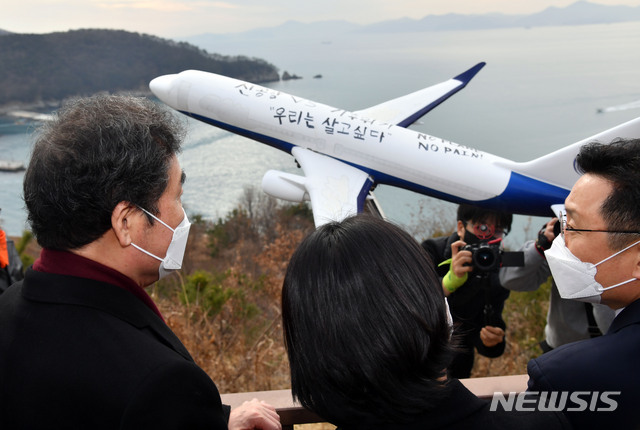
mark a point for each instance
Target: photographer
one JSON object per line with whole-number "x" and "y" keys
{"x": 567, "y": 320}
{"x": 475, "y": 296}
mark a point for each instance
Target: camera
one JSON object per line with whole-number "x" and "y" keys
{"x": 488, "y": 257}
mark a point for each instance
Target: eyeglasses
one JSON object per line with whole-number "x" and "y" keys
{"x": 562, "y": 217}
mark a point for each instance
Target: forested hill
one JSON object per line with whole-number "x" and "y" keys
{"x": 50, "y": 67}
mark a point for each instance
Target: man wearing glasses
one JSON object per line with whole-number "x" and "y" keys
{"x": 567, "y": 320}
{"x": 596, "y": 259}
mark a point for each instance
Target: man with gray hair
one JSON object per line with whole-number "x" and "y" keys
{"x": 82, "y": 345}
{"x": 596, "y": 259}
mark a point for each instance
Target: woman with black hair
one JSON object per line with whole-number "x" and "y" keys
{"x": 368, "y": 335}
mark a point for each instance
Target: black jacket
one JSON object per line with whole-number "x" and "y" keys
{"x": 81, "y": 354}
{"x": 477, "y": 303}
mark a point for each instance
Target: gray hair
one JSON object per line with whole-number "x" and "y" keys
{"x": 97, "y": 152}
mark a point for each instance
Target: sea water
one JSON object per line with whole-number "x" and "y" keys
{"x": 542, "y": 89}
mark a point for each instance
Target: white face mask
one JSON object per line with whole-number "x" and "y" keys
{"x": 576, "y": 279}
{"x": 175, "y": 252}
{"x": 449, "y": 317}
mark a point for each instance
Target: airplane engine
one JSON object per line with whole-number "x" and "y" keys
{"x": 285, "y": 186}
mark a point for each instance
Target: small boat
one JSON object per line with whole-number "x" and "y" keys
{"x": 11, "y": 166}
{"x": 33, "y": 116}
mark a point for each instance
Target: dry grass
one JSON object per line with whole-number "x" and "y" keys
{"x": 525, "y": 315}
{"x": 238, "y": 359}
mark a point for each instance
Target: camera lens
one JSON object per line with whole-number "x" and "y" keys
{"x": 485, "y": 258}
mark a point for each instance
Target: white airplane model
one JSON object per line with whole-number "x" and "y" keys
{"x": 344, "y": 154}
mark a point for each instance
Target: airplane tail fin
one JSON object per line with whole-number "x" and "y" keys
{"x": 558, "y": 167}
{"x": 404, "y": 111}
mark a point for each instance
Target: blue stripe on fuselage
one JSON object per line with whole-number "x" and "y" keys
{"x": 276, "y": 143}
{"x": 527, "y": 196}
{"x": 523, "y": 195}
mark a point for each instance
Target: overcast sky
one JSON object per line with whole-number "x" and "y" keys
{"x": 179, "y": 18}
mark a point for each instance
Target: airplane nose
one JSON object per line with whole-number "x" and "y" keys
{"x": 165, "y": 88}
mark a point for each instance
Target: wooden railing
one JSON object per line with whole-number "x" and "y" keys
{"x": 292, "y": 413}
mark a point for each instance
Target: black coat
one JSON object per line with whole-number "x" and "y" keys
{"x": 81, "y": 354}
{"x": 468, "y": 304}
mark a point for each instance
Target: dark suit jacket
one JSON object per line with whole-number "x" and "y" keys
{"x": 78, "y": 353}
{"x": 606, "y": 363}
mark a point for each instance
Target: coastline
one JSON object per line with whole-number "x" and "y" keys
{"x": 8, "y": 108}
{"x": 48, "y": 106}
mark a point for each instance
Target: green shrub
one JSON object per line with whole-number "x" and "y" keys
{"x": 207, "y": 291}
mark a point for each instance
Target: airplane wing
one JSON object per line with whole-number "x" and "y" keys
{"x": 336, "y": 189}
{"x": 404, "y": 111}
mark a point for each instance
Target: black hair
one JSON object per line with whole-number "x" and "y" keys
{"x": 474, "y": 214}
{"x": 96, "y": 153}
{"x": 619, "y": 163}
{"x": 365, "y": 324}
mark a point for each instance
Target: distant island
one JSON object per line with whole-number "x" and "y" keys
{"x": 286, "y": 76}
{"x": 579, "y": 13}
{"x": 41, "y": 69}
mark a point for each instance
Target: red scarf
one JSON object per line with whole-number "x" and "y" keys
{"x": 70, "y": 264}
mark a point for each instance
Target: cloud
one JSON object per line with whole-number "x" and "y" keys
{"x": 164, "y": 5}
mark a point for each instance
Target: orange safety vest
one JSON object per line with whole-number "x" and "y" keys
{"x": 4, "y": 254}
